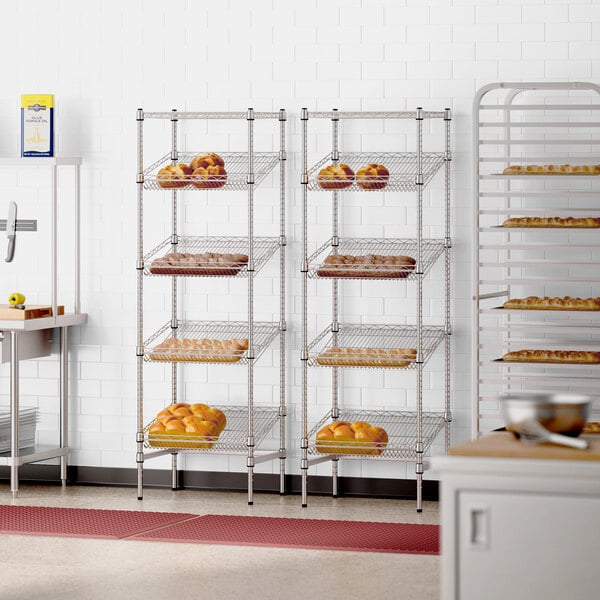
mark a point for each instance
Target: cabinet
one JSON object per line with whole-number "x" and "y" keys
{"x": 249, "y": 423}
{"x": 526, "y": 125}
{"x": 410, "y": 432}
{"x": 30, "y": 338}
{"x": 497, "y": 512}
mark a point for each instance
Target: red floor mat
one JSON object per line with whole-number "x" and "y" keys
{"x": 366, "y": 536}
{"x": 83, "y": 522}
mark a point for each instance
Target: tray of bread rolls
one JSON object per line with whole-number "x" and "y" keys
{"x": 224, "y": 342}
{"x": 553, "y": 303}
{"x": 371, "y": 258}
{"x": 205, "y": 427}
{"x": 552, "y": 170}
{"x": 208, "y": 256}
{"x": 586, "y": 358}
{"x": 373, "y": 433}
{"x": 372, "y": 346}
{"x": 208, "y": 170}
{"x": 370, "y": 172}
{"x": 551, "y": 223}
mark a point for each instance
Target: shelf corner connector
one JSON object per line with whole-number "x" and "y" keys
{"x": 304, "y": 443}
{"x": 335, "y": 155}
{"x": 304, "y": 179}
{"x": 304, "y": 114}
{"x": 250, "y": 266}
{"x": 304, "y": 355}
{"x": 250, "y": 114}
{"x": 282, "y": 114}
{"x": 447, "y": 156}
{"x": 447, "y": 242}
{"x": 174, "y": 238}
{"x": 335, "y": 116}
{"x": 304, "y": 267}
{"x": 139, "y": 265}
{"x": 174, "y": 323}
{"x": 282, "y": 155}
{"x": 139, "y": 437}
{"x": 139, "y": 115}
{"x": 335, "y": 327}
{"x": 448, "y": 416}
{"x": 282, "y": 413}
{"x": 419, "y": 179}
{"x": 335, "y": 240}
{"x": 282, "y": 240}
{"x": 419, "y": 113}
{"x": 250, "y": 441}
{"x": 282, "y": 325}
{"x": 447, "y": 330}
{"x": 139, "y": 351}
{"x": 139, "y": 178}
{"x": 174, "y": 113}
{"x": 250, "y": 179}
{"x": 139, "y": 457}
{"x": 447, "y": 114}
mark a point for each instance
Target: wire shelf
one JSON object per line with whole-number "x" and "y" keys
{"x": 379, "y": 337}
{"x": 263, "y": 334}
{"x": 399, "y": 425}
{"x": 236, "y": 165}
{"x": 264, "y": 249}
{"x": 407, "y": 114}
{"x": 232, "y": 440}
{"x": 431, "y": 250}
{"x": 402, "y": 167}
{"x": 177, "y": 114}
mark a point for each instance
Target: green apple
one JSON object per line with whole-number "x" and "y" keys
{"x": 16, "y": 298}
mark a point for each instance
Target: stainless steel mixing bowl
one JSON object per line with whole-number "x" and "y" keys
{"x": 558, "y": 413}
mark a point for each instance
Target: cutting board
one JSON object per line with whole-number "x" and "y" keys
{"x": 505, "y": 445}
{"x": 32, "y": 311}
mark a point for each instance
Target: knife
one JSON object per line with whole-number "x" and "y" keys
{"x": 11, "y": 226}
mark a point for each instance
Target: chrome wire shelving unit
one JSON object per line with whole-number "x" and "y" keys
{"x": 410, "y": 433}
{"x": 248, "y": 425}
{"x": 520, "y": 124}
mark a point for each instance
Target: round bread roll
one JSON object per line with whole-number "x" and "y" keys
{"x": 173, "y": 176}
{"x": 210, "y": 159}
{"x": 372, "y": 177}
{"x": 211, "y": 176}
{"x": 335, "y": 177}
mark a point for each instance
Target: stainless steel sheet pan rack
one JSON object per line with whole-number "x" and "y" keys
{"x": 517, "y": 125}
{"x": 182, "y": 342}
{"x": 378, "y": 346}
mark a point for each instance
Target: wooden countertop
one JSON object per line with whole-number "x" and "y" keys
{"x": 504, "y": 445}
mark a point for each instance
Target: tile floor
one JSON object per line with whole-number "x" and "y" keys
{"x": 34, "y": 567}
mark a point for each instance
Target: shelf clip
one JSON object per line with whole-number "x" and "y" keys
{"x": 304, "y": 179}
{"x": 139, "y": 457}
{"x": 139, "y": 115}
{"x": 304, "y": 355}
{"x": 282, "y": 325}
{"x": 282, "y": 114}
{"x": 174, "y": 238}
{"x": 250, "y": 442}
{"x": 139, "y": 265}
{"x": 335, "y": 240}
{"x": 304, "y": 443}
{"x": 419, "y": 179}
{"x": 282, "y": 240}
{"x": 139, "y": 178}
{"x": 304, "y": 114}
{"x": 139, "y": 351}
{"x": 447, "y": 114}
{"x": 447, "y": 156}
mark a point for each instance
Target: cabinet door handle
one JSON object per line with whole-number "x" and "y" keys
{"x": 479, "y": 527}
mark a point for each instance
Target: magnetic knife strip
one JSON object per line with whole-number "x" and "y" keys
{"x": 21, "y": 225}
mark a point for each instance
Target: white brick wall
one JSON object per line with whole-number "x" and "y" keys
{"x": 104, "y": 58}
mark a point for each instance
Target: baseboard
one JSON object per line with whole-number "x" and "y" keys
{"x": 208, "y": 480}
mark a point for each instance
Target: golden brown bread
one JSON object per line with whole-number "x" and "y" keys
{"x": 559, "y": 222}
{"x": 207, "y": 263}
{"x": 335, "y": 177}
{"x": 211, "y": 176}
{"x": 368, "y": 266}
{"x": 367, "y": 357}
{"x": 174, "y": 176}
{"x": 183, "y": 425}
{"x": 210, "y": 159}
{"x": 550, "y": 303}
{"x": 372, "y": 177}
{"x": 343, "y": 437}
{"x": 200, "y": 350}
{"x": 553, "y": 356}
{"x": 552, "y": 170}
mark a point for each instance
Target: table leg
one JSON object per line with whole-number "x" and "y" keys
{"x": 14, "y": 413}
{"x": 64, "y": 401}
